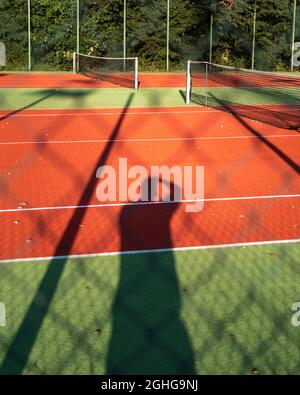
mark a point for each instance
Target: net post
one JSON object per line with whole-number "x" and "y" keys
{"x": 74, "y": 62}
{"x": 136, "y": 74}
{"x": 188, "y": 82}
{"x": 206, "y": 83}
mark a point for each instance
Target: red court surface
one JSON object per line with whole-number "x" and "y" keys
{"x": 48, "y": 163}
{"x": 146, "y": 80}
{"x": 69, "y": 80}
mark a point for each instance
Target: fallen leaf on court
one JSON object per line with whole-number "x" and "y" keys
{"x": 22, "y": 205}
{"x": 272, "y": 254}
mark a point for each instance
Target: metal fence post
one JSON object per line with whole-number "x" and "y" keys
{"x": 78, "y": 26}
{"x": 124, "y": 28}
{"x": 254, "y": 37}
{"x": 168, "y": 34}
{"x": 29, "y": 34}
{"x": 211, "y": 36}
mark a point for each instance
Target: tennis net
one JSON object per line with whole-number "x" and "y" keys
{"x": 267, "y": 97}
{"x": 118, "y": 71}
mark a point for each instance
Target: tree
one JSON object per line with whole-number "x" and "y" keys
{"x": 53, "y": 26}
{"x": 234, "y": 32}
{"x": 13, "y": 33}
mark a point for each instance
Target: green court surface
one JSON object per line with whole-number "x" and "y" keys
{"x": 33, "y": 98}
{"x": 15, "y": 98}
{"x": 218, "y": 311}
{"x": 250, "y": 96}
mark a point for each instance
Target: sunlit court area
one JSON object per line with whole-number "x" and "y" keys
{"x": 149, "y": 187}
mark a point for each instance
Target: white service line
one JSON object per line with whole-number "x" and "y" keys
{"x": 154, "y": 251}
{"x": 106, "y": 205}
{"x": 141, "y": 140}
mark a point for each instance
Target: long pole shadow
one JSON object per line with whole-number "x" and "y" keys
{"x": 276, "y": 98}
{"x": 293, "y": 165}
{"x": 20, "y": 348}
{"x": 12, "y": 113}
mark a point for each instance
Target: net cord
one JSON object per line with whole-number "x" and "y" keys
{"x": 256, "y": 72}
{"x": 103, "y": 57}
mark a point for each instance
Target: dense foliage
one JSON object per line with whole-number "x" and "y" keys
{"x": 53, "y": 31}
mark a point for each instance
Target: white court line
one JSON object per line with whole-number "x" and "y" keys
{"x": 105, "y": 205}
{"x": 68, "y": 114}
{"x": 141, "y": 140}
{"x": 161, "y": 250}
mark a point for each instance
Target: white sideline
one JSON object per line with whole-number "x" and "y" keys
{"x": 161, "y": 250}
{"x": 141, "y": 140}
{"x": 105, "y": 205}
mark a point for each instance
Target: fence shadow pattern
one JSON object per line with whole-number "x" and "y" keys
{"x": 220, "y": 311}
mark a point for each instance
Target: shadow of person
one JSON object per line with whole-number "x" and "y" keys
{"x": 148, "y": 335}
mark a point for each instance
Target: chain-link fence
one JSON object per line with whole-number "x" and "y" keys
{"x": 164, "y": 34}
{"x": 215, "y": 311}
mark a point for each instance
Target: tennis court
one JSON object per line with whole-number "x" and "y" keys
{"x": 94, "y": 288}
